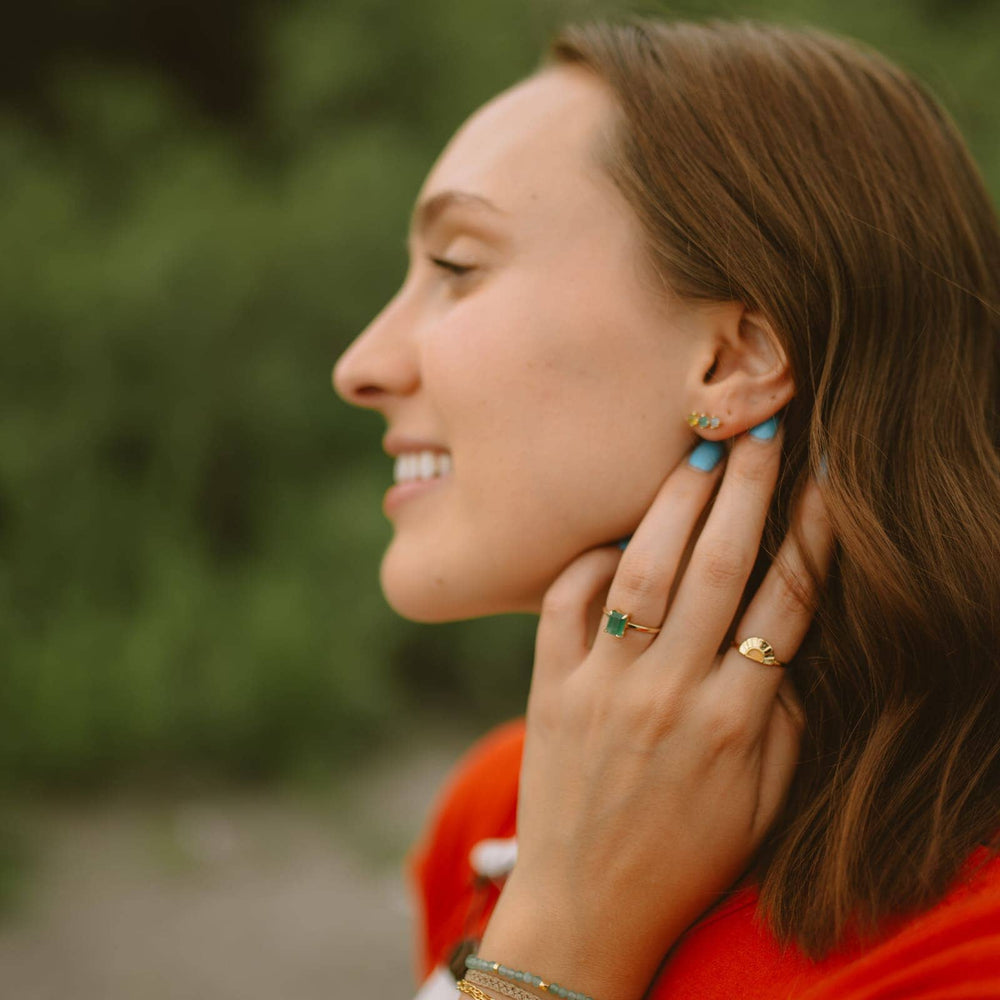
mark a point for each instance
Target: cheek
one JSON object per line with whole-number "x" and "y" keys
{"x": 541, "y": 396}
{"x": 557, "y": 450}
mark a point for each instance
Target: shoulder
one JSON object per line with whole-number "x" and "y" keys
{"x": 490, "y": 765}
{"x": 950, "y": 951}
{"x": 479, "y": 797}
{"x": 478, "y": 801}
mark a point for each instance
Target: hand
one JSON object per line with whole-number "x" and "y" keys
{"x": 653, "y": 766}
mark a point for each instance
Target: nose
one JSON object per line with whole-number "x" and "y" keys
{"x": 381, "y": 363}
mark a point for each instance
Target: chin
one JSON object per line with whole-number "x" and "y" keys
{"x": 432, "y": 595}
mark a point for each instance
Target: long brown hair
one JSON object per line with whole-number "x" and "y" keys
{"x": 815, "y": 181}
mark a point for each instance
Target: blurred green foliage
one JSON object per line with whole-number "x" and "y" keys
{"x": 190, "y": 522}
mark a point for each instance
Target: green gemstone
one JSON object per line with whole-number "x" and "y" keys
{"x": 703, "y": 421}
{"x": 616, "y": 624}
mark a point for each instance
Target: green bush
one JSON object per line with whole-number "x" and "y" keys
{"x": 189, "y": 520}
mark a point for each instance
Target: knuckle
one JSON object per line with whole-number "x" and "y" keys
{"x": 725, "y": 563}
{"x": 667, "y": 709}
{"x": 558, "y": 603}
{"x": 639, "y": 579}
{"x": 728, "y": 728}
{"x": 586, "y": 706}
{"x": 753, "y": 472}
{"x": 793, "y": 593}
{"x": 792, "y": 601}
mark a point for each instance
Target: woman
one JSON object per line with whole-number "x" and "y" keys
{"x": 731, "y": 289}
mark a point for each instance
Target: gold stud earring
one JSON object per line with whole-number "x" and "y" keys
{"x": 703, "y": 421}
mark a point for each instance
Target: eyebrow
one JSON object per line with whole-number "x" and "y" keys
{"x": 425, "y": 214}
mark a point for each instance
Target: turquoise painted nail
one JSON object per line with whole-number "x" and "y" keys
{"x": 706, "y": 456}
{"x": 766, "y": 430}
{"x": 822, "y": 473}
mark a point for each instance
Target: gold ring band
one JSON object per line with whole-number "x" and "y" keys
{"x": 618, "y": 621}
{"x": 759, "y": 650}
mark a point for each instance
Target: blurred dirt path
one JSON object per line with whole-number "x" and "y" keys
{"x": 280, "y": 895}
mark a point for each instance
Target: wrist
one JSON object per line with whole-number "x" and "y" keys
{"x": 576, "y": 945}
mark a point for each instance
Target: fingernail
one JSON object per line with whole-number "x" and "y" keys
{"x": 623, "y": 542}
{"x": 766, "y": 430}
{"x": 706, "y": 456}
{"x": 821, "y": 471}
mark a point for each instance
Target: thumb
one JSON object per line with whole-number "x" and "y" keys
{"x": 563, "y": 638}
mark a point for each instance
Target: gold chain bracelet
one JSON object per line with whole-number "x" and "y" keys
{"x": 464, "y": 986}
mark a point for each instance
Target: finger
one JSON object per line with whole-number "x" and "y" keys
{"x": 710, "y": 591}
{"x": 788, "y": 699}
{"x": 564, "y": 626}
{"x": 642, "y": 584}
{"x": 779, "y": 756}
{"x": 782, "y": 610}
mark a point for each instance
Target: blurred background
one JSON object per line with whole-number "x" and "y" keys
{"x": 216, "y": 740}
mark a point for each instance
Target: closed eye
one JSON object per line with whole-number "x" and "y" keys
{"x": 457, "y": 269}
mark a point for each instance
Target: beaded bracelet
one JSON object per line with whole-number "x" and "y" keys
{"x": 499, "y": 985}
{"x": 529, "y": 979}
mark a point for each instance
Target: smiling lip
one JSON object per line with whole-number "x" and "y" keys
{"x": 400, "y": 493}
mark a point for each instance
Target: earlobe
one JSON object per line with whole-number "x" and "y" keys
{"x": 704, "y": 420}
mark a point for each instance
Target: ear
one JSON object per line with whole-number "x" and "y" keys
{"x": 742, "y": 376}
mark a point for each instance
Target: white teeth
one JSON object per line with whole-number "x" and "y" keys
{"x": 421, "y": 465}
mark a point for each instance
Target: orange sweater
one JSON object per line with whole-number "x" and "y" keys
{"x": 950, "y": 952}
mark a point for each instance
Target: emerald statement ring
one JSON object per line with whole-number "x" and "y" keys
{"x": 618, "y": 621}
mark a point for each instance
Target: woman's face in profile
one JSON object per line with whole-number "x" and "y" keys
{"x": 550, "y": 372}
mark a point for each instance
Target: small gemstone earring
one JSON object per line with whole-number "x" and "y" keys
{"x": 703, "y": 421}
